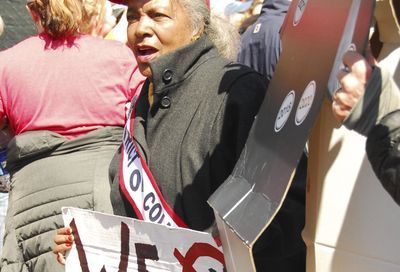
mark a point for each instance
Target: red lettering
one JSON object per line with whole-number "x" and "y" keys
{"x": 195, "y": 251}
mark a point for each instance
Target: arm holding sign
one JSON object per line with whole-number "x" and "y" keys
{"x": 369, "y": 103}
{"x": 367, "y": 94}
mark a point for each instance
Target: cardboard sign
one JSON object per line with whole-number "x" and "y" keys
{"x": 315, "y": 35}
{"x": 111, "y": 243}
{"x": 352, "y": 224}
{"x": 363, "y": 235}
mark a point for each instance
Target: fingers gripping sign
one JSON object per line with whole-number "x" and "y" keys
{"x": 353, "y": 80}
{"x": 63, "y": 240}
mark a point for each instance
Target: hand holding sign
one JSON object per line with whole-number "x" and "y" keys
{"x": 353, "y": 81}
{"x": 125, "y": 244}
{"x": 63, "y": 240}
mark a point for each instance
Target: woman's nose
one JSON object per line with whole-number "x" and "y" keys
{"x": 143, "y": 27}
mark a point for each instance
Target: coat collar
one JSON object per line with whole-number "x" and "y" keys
{"x": 171, "y": 69}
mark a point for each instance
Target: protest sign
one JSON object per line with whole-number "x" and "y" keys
{"x": 111, "y": 243}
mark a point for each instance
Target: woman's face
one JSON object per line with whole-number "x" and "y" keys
{"x": 156, "y": 27}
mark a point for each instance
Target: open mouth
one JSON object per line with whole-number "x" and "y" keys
{"x": 145, "y": 54}
{"x": 145, "y": 50}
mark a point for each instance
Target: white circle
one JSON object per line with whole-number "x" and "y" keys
{"x": 352, "y": 47}
{"x": 306, "y": 101}
{"x": 301, "y": 6}
{"x": 284, "y": 111}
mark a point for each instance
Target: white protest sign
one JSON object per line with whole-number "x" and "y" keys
{"x": 109, "y": 243}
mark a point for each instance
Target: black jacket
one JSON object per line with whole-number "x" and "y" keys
{"x": 383, "y": 150}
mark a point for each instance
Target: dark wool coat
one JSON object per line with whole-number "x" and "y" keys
{"x": 192, "y": 136}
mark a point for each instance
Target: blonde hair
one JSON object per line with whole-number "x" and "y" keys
{"x": 94, "y": 12}
{"x": 59, "y": 18}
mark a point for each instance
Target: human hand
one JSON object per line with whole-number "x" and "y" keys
{"x": 63, "y": 240}
{"x": 353, "y": 80}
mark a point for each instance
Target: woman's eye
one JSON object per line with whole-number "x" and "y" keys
{"x": 132, "y": 18}
{"x": 158, "y": 15}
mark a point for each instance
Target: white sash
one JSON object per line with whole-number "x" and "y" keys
{"x": 139, "y": 186}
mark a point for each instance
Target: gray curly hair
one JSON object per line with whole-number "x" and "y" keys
{"x": 224, "y": 35}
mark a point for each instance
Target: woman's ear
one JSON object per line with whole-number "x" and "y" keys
{"x": 197, "y": 33}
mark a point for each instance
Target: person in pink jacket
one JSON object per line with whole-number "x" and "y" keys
{"x": 64, "y": 94}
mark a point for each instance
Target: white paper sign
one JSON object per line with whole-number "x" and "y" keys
{"x": 108, "y": 243}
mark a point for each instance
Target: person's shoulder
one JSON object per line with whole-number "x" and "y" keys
{"x": 239, "y": 69}
{"x": 227, "y": 72}
{"x": 238, "y": 77}
{"x": 249, "y": 32}
{"x": 244, "y": 88}
{"x": 220, "y": 66}
{"x": 22, "y": 45}
{"x": 21, "y": 49}
{"x": 261, "y": 27}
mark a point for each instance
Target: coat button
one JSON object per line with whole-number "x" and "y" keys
{"x": 167, "y": 75}
{"x": 165, "y": 102}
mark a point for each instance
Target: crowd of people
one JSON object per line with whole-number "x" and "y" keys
{"x": 175, "y": 95}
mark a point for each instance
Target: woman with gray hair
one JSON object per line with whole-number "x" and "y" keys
{"x": 188, "y": 127}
